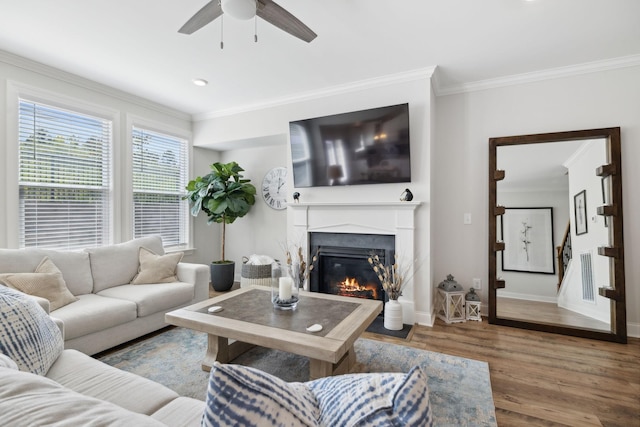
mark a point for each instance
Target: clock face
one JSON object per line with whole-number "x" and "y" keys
{"x": 274, "y": 188}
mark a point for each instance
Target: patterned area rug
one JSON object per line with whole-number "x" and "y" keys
{"x": 460, "y": 389}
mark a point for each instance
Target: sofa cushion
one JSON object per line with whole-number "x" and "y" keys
{"x": 239, "y": 395}
{"x": 115, "y": 265}
{"x": 155, "y": 268}
{"x": 74, "y": 266}
{"x": 153, "y": 298}
{"x": 27, "y": 333}
{"x": 46, "y": 282}
{"x": 90, "y": 377}
{"x": 181, "y": 412}
{"x": 93, "y": 313}
{"x": 374, "y": 399}
{"x": 31, "y": 400}
{"x": 7, "y": 362}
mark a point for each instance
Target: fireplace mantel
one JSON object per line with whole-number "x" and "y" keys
{"x": 392, "y": 218}
{"x": 408, "y": 205}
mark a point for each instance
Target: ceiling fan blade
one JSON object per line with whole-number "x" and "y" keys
{"x": 208, "y": 13}
{"x": 273, "y": 13}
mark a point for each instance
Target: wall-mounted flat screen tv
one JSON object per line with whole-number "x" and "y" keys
{"x": 361, "y": 147}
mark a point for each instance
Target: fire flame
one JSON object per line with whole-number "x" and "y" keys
{"x": 350, "y": 287}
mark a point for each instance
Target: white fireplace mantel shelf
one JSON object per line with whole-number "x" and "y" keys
{"x": 396, "y": 205}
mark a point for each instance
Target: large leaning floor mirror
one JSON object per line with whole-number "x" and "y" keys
{"x": 556, "y": 253}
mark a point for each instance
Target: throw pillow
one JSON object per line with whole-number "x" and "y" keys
{"x": 239, "y": 395}
{"x": 46, "y": 282}
{"x": 27, "y": 334}
{"x": 380, "y": 399}
{"x": 156, "y": 268}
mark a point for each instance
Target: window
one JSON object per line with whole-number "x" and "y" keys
{"x": 160, "y": 167}
{"x": 64, "y": 178}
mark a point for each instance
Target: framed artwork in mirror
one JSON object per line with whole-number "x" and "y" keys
{"x": 527, "y": 234}
{"x": 580, "y": 210}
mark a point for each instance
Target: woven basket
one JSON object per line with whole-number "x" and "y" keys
{"x": 255, "y": 274}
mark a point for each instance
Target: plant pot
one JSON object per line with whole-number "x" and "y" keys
{"x": 393, "y": 315}
{"x": 222, "y": 275}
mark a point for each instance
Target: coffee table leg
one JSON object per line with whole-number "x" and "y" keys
{"x": 320, "y": 368}
{"x": 217, "y": 350}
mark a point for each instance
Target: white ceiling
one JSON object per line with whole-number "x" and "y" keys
{"x": 134, "y": 45}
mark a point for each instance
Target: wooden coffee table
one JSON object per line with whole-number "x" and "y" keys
{"x": 248, "y": 317}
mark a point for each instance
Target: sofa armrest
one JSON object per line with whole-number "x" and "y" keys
{"x": 42, "y": 302}
{"x": 198, "y": 274}
{"x": 60, "y": 324}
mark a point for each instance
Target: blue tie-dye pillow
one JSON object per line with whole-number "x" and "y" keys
{"x": 243, "y": 396}
{"x": 381, "y": 399}
{"x": 27, "y": 334}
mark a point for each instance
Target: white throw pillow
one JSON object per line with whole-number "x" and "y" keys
{"x": 46, "y": 282}
{"x": 156, "y": 268}
{"x": 27, "y": 334}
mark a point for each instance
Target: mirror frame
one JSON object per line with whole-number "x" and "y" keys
{"x": 615, "y": 251}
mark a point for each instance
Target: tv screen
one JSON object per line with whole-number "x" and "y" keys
{"x": 361, "y": 147}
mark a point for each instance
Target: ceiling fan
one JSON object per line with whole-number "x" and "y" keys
{"x": 268, "y": 10}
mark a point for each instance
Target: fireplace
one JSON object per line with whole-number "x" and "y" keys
{"x": 393, "y": 220}
{"x": 343, "y": 267}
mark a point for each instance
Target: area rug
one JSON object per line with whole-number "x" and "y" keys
{"x": 460, "y": 389}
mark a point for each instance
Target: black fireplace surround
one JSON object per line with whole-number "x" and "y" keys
{"x": 342, "y": 266}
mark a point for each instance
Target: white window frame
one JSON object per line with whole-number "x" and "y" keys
{"x": 133, "y": 121}
{"x": 17, "y": 91}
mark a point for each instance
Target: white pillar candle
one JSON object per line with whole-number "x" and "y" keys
{"x": 284, "y": 290}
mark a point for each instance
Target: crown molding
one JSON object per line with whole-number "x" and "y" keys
{"x": 73, "y": 79}
{"x": 407, "y": 76}
{"x": 553, "y": 73}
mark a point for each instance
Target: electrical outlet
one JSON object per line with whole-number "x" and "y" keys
{"x": 467, "y": 219}
{"x": 477, "y": 283}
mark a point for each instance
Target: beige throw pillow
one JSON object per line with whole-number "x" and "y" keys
{"x": 46, "y": 282}
{"x": 156, "y": 268}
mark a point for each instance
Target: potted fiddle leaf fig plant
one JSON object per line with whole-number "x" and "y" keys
{"x": 224, "y": 196}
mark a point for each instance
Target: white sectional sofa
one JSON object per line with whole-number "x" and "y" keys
{"x": 108, "y": 310}
{"x": 43, "y": 384}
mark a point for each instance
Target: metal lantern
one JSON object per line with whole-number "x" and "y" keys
{"x": 450, "y": 301}
{"x": 472, "y": 303}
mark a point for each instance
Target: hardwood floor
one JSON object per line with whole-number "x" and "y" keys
{"x": 542, "y": 379}
{"x": 534, "y": 311}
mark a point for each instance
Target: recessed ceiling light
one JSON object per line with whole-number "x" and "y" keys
{"x": 200, "y": 82}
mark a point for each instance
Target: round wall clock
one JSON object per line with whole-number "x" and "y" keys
{"x": 274, "y": 188}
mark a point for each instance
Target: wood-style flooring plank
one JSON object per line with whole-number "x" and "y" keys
{"x": 543, "y": 379}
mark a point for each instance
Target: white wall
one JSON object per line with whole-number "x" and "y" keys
{"x": 18, "y": 75}
{"x": 273, "y": 122}
{"x": 582, "y": 178}
{"x": 466, "y": 121}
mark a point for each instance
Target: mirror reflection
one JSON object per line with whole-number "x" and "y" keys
{"x": 556, "y": 250}
{"x": 551, "y": 232}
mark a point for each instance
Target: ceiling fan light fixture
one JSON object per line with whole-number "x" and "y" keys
{"x": 239, "y": 9}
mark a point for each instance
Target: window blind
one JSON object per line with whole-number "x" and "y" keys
{"x": 64, "y": 178}
{"x": 160, "y": 168}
